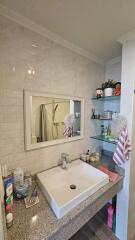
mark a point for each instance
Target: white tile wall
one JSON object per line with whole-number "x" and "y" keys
{"x": 58, "y": 70}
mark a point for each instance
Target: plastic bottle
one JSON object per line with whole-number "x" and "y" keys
{"x": 9, "y": 220}
{"x": 18, "y": 177}
{"x": 8, "y": 209}
{"x": 9, "y": 200}
{"x": 110, "y": 216}
{"x": 9, "y": 216}
{"x": 9, "y": 189}
{"x": 88, "y": 155}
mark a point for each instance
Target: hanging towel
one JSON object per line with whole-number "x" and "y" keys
{"x": 68, "y": 132}
{"x": 123, "y": 148}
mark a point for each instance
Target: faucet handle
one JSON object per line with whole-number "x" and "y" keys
{"x": 66, "y": 157}
{"x": 64, "y": 164}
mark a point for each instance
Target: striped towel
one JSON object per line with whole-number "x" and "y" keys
{"x": 123, "y": 148}
{"x": 68, "y": 132}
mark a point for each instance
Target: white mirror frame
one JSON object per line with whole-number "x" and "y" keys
{"x": 27, "y": 120}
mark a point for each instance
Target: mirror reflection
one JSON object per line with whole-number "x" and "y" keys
{"x": 54, "y": 118}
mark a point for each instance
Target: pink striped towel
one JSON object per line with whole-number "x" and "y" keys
{"x": 68, "y": 132}
{"x": 123, "y": 148}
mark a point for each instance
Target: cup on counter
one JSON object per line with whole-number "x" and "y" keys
{"x": 18, "y": 175}
{"x": 83, "y": 157}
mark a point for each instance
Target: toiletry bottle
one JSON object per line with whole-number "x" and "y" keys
{"x": 8, "y": 209}
{"x": 18, "y": 177}
{"x": 102, "y": 130}
{"x": 110, "y": 216}
{"x": 105, "y": 132}
{"x": 88, "y": 156}
{"x": 109, "y": 130}
{"x": 93, "y": 114}
{"x": 9, "y": 215}
{"x": 9, "y": 220}
{"x": 8, "y": 187}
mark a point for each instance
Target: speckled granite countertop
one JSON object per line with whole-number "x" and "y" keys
{"x": 39, "y": 222}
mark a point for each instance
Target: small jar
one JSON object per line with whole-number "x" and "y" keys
{"x": 83, "y": 157}
{"x": 97, "y": 156}
{"x": 99, "y": 92}
{"x": 9, "y": 220}
{"x": 8, "y": 209}
{"x": 22, "y": 191}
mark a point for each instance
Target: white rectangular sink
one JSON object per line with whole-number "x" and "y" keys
{"x": 56, "y": 185}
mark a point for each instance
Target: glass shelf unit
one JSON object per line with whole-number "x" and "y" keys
{"x": 106, "y": 98}
{"x": 105, "y": 119}
{"x": 104, "y": 139}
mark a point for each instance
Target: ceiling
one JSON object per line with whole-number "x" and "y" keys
{"x": 93, "y": 25}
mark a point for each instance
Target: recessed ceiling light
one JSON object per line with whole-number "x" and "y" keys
{"x": 13, "y": 69}
{"x": 29, "y": 71}
{"x": 34, "y": 218}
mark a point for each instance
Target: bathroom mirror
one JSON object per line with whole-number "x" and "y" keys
{"x": 52, "y": 119}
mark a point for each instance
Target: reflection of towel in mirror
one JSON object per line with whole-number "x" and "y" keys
{"x": 68, "y": 132}
{"x": 43, "y": 127}
{"x": 123, "y": 148}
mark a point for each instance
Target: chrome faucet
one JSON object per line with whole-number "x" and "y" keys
{"x": 64, "y": 160}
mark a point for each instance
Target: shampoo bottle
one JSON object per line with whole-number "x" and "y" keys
{"x": 110, "y": 216}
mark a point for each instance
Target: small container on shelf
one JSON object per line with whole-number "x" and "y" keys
{"x": 117, "y": 90}
{"x": 88, "y": 156}
{"x": 83, "y": 157}
{"x": 93, "y": 113}
{"x": 99, "y": 92}
{"x": 108, "y": 114}
{"x": 77, "y": 114}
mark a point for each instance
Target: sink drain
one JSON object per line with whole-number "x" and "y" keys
{"x": 72, "y": 186}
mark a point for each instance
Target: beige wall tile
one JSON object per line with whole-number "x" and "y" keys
{"x": 58, "y": 70}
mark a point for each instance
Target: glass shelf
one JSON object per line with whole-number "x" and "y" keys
{"x": 104, "y": 139}
{"x": 105, "y": 119}
{"x": 106, "y": 98}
